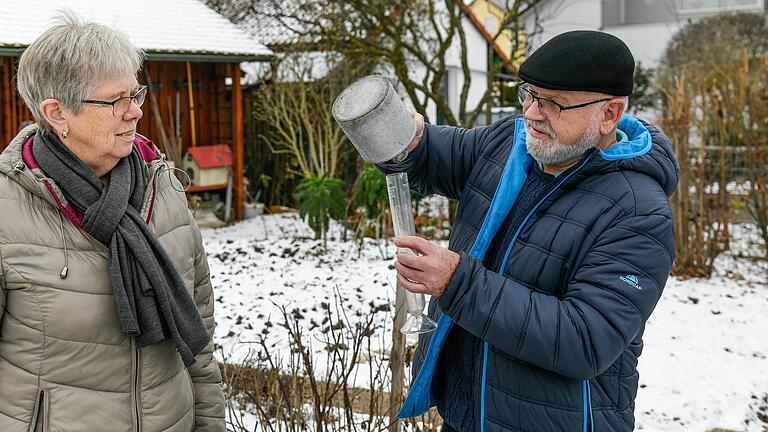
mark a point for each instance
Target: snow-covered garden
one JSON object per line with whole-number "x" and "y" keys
{"x": 705, "y": 363}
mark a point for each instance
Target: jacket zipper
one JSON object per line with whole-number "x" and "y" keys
{"x": 135, "y": 378}
{"x": 589, "y": 422}
{"x": 39, "y": 419}
{"x": 501, "y": 271}
{"x": 150, "y": 194}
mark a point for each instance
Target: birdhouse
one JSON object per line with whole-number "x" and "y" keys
{"x": 208, "y": 165}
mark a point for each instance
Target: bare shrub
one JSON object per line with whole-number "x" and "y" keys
{"x": 713, "y": 86}
{"x": 296, "y": 390}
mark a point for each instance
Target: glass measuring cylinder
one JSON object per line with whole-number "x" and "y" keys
{"x": 402, "y": 221}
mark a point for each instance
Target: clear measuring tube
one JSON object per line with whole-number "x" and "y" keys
{"x": 402, "y": 221}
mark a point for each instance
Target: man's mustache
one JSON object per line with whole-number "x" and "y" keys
{"x": 541, "y": 127}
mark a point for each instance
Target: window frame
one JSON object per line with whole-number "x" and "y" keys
{"x": 757, "y": 5}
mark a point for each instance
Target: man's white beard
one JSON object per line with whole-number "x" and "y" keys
{"x": 549, "y": 151}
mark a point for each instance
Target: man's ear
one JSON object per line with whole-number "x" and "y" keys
{"x": 54, "y": 113}
{"x": 612, "y": 112}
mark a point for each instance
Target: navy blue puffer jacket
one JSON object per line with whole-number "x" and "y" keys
{"x": 561, "y": 326}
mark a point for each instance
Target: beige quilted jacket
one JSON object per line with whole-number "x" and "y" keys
{"x": 65, "y": 364}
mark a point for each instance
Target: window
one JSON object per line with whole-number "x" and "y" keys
{"x": 718, "y": 5}
{"x": 620, "y": 12}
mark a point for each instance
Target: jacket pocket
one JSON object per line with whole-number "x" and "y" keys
{"x": 40, "y": 414}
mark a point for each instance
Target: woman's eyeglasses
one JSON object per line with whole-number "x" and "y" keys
{"x": 121, "y": 105}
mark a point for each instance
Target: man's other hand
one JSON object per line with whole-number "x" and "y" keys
{"x": 428, "y": 272}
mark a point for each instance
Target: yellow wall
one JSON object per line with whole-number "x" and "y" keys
{"x": 483, "y": 9}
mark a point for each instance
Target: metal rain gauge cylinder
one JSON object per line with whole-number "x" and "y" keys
{"x": 402, "y": 220}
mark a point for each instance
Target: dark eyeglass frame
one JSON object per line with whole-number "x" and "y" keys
{"x": 523, "y": 90}
{"x": 133, "y": 98}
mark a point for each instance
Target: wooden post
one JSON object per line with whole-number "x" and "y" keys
{"x": 237, "y": 140}
{"x": 489, "y": 82}
{"x": 397, "y": 361}
{"x": 191, "y": 105}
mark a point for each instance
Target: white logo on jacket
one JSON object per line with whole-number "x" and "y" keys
{"x": 631, "y": 280}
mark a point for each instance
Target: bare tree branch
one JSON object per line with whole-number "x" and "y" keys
{"x": 412, "y": 39}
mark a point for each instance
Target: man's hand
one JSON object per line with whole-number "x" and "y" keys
{"x": 426, "y": 273}
{"x": 419, "y": 130}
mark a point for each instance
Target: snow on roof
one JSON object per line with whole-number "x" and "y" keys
{"x": 211, "y": 156}
{"x": 157, "y": 26}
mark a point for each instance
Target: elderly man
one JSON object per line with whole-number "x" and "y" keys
{"x": 561, "y": 248}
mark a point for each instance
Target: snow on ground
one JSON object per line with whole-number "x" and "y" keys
{"x": 273, "y": 261}
{"x": 706, "y": 349}
{"x": 705, "y": 363}
{"x": 705, "y": 356}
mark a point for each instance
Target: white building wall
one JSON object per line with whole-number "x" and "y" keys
{"x": 559, "y": 16}
{"x": 477, "y": 50}
{"x": 646, "y": 41}
{"x": 477, "y": 59}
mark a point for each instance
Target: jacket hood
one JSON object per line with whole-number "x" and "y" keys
{"x": 647, "y": 150}
{"x": 13, "y": 166}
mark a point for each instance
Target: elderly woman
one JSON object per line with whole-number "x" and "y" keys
{"x": 106, "y": 312}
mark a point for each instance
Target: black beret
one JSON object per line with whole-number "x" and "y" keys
{"x": 581, "y": 60}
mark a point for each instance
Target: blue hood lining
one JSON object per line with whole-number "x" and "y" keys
{"x": 638, "y": 140}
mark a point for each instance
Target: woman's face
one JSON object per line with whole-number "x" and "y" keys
{"x": 100, "y": 135}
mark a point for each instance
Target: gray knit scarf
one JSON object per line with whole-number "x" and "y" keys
{"x": 152, "y": 302}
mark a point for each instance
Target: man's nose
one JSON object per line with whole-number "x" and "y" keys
{"x": 534, "y": 112}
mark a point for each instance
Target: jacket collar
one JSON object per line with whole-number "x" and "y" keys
{"x": 18, "y": 164}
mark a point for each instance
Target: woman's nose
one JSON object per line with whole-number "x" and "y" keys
{"x": 134, "y": 112}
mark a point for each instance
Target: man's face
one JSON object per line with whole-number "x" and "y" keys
{"x": 554, "y": 140}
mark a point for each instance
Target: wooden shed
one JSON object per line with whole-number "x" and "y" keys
{"x": 192, "y": 70}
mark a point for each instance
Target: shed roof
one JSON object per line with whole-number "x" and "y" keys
{"x": 165, "y": 29}
{"x": 211, "y": 156}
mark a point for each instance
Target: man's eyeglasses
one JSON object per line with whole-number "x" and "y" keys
{"x": 121, "y": 105}
{"x": 551, "y": 109}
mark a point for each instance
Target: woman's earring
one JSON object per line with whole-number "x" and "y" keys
{"x": 64, "y": 133}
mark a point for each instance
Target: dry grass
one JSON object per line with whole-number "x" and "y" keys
{"x": 250, "y": 378}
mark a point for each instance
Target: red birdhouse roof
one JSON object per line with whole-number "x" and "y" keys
{"x": 211, "y": 156}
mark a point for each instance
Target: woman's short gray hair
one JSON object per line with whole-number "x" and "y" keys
{"x": 68, "y": 61}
